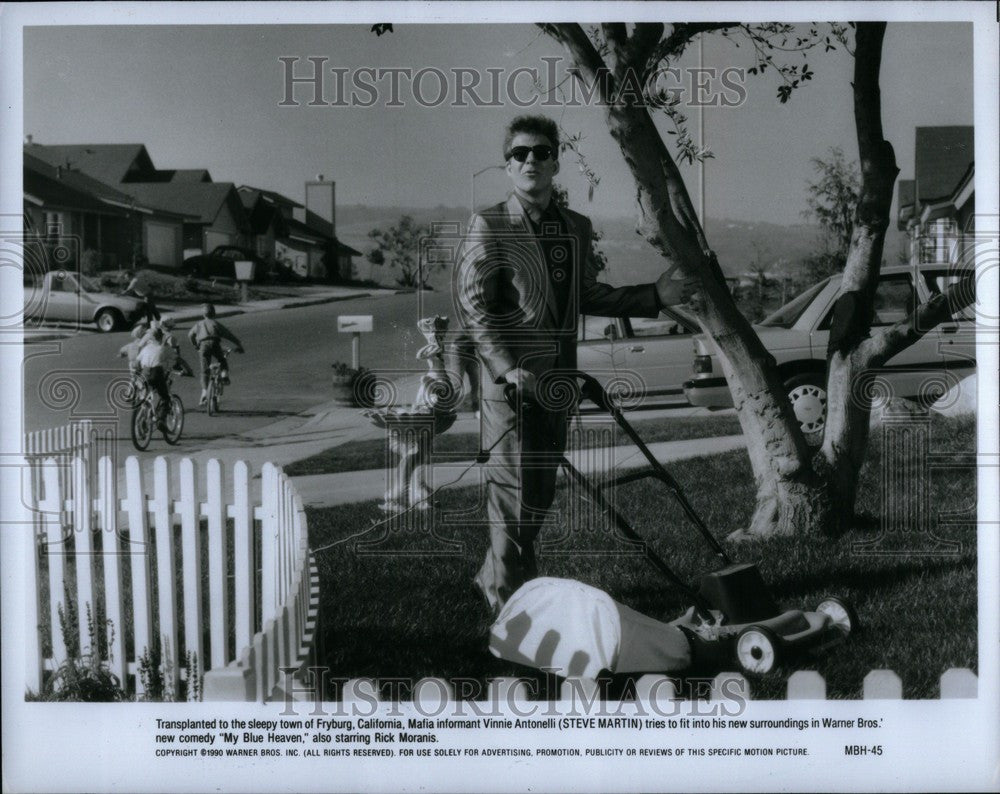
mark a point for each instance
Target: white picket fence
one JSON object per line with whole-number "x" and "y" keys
{"x": 82, "y": 519}
{"x": 81, "y": 438}
{"x": 429, "y": 693}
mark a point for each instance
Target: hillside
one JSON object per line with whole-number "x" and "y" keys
{"x": 630, "y": 258}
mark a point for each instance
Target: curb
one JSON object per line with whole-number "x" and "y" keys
{"x": 185, "y": 315}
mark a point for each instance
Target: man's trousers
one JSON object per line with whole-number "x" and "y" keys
{"x": 521, "y": 479}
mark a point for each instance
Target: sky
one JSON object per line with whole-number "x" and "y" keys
{"x": 208, "y": 97}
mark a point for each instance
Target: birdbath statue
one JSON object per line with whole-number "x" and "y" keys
{"x": 411, "y": 429}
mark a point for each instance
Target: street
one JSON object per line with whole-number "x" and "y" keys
{"x": 285, "y": 370}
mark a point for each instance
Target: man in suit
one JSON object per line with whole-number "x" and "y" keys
{"x": 525, "y": 273}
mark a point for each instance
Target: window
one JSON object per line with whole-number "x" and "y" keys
{"x": 661, "y": 326}
{"x": 592, "y": 329}
{"x": 62, "y": 283}
{"x": 894, "y": 300}
{"x": 54, "y": 224}
{"x": 787, "y": 315}
{"x": 938, "y": 281}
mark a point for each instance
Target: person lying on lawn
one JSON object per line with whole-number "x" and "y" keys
{"x": 573, "y": 629}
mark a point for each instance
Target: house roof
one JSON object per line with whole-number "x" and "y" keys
{"x": 201, "y": 200}
{"x": 190, "y": 175}
{"x": 107, "y": 162}
{"x": 74, "y": 180}
{"x": 302, "y": 230}
{"x": 943, "y": 155}
{"x": 59, "y": 186}
{"x": 44, "y": 186}
{"x": 269, "y": 195}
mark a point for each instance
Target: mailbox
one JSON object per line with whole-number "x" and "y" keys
{"x": 354, "y": 323}
{"x": 244, "y": 269}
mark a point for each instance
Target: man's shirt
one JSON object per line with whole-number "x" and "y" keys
{"x": 549, "y": 227}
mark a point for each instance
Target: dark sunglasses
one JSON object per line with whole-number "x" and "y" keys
{"x": 541, "y": 152}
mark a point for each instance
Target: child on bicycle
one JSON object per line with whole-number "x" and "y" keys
{"x": 207, "y": 335}
{"x": 180, "y": 365}
{"x": 156, "y": 359}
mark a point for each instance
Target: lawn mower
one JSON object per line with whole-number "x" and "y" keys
{"x": 732, "y": 611}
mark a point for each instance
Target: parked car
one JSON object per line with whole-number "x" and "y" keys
{"x": 639, "y": 358}
{"x": 797, "y": 334}
{"x": 61, "y": 296}
{"x": 220, "y": 263}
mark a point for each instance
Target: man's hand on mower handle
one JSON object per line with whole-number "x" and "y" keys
{"x": 523, "y": 381}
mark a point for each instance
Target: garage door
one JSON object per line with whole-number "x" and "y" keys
{"x": 163, "y": 244}
{"x": 214, "y": 239}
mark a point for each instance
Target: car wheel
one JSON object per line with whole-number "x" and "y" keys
{"x": 107, "y": 320}
{"x": 807, "y": 394}
{"x": 758, "y": 650}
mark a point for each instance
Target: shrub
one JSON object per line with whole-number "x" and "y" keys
{"x": 84, "y": 676}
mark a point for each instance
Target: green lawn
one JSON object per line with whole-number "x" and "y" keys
{"x": 410, "y": 609}
{"x": 371, "y": 454}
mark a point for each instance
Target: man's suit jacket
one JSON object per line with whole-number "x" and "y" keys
{"x": 505, "y": 299}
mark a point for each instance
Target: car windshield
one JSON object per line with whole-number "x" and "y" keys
{"x": 88, "y": 284}
{"x": 786, "y": 316}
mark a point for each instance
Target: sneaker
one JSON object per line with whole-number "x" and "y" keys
{"x": 204, "y": 397}
{"x": 224, "y": 377}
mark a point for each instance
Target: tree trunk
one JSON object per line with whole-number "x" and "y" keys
{"x": 850, "y": 384}
{"x": 795, "y": 493}
{"x": 790, "y": 496}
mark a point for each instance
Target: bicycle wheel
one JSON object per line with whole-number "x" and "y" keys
{"x": 136, "y": 391}
{"x": 213, "y": 398}
{"x": 174, "y": 420}
{"x": 142, "y": 425}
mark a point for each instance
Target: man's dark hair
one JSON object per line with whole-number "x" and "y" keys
{"x": 208, "y": 310}
{"x": 539, "y": 125}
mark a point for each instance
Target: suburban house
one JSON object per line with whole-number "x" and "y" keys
{"x": 268, "y": 213}
{"x": 177, "y": 213}
{"x": 295, "y": 236}
{"x": 112, "y": 227}
{"x": 336, "y": 251}
{"x": 216, "y": 213}
{"x": 937, "y": 207}
{"x": 212, "y": 211}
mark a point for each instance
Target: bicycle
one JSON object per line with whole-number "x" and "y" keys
{"x": 216, "y": 382}
{"x": 137, "y": 389}
{"x": 144, "y": 417}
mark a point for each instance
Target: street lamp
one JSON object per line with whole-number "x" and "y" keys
{"x": 701, "y": 138}
{"x": 472, "y": 184}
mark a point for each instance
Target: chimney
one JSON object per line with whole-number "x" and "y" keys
{"x": 28, "y": 139}
{"x": 321, "y": 201}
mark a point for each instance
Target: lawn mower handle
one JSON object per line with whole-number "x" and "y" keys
{"x": 596, "y": 393}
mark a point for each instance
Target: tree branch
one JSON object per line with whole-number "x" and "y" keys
{"x": 679, "y": 37}
{"x": 640, "y": 46}
{"x": 878, "y": 349}
{"x": 581, "y": 49}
